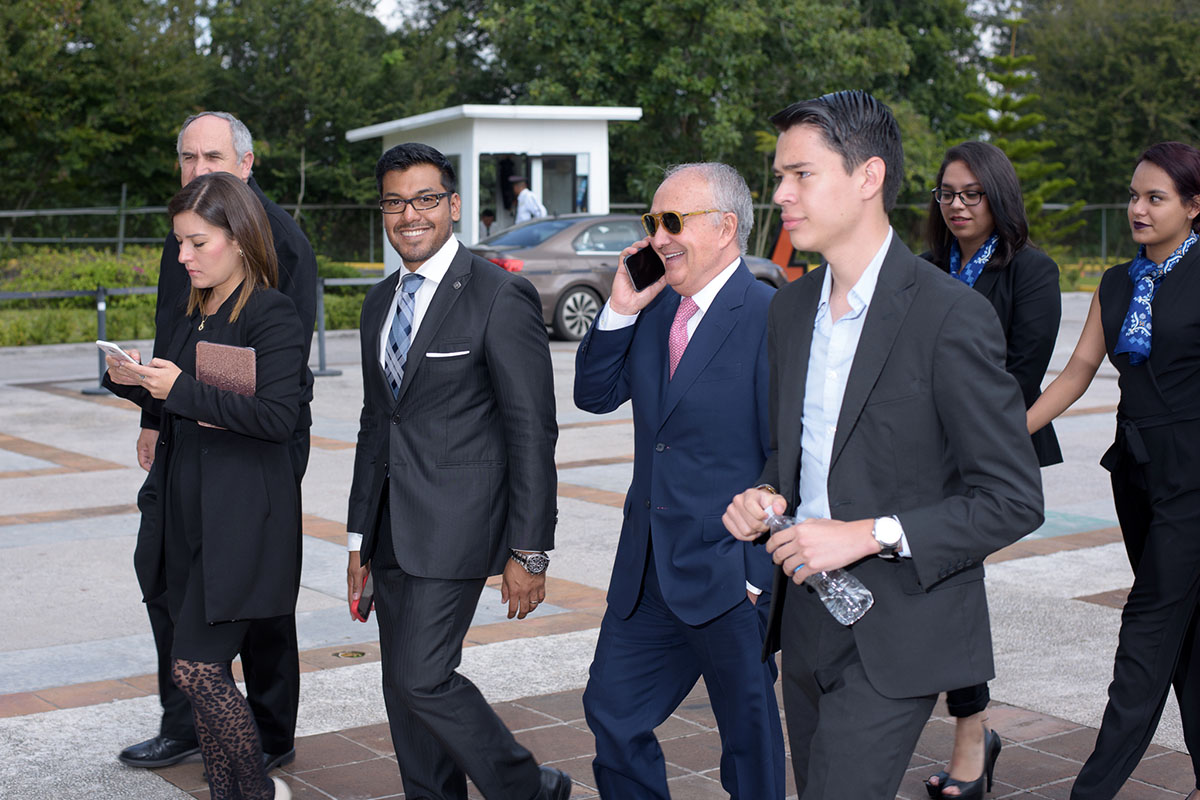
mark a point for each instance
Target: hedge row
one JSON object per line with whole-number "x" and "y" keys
{"x": 129, "y": 317}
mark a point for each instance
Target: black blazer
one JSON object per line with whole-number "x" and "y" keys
{"x": 466, "y": 453}
{"x": 248, "y": 492}
{"x": 932, "y": 429}
{"x": 1028, "y": 301}
{"x": 297, "y": 280}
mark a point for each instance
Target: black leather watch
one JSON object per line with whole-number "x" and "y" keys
{"x": 534, "y": 563}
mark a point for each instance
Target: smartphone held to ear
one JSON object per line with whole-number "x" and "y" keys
{"x": 644, "y": 268}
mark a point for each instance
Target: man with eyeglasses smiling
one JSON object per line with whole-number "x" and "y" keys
{"x": 454, "y": 481}
{"x": 684, "y": 599}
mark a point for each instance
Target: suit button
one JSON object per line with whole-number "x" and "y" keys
{"x": 647, "y": 504}
{"x": 660, "y": 447}
{"x": 396, "y": 420}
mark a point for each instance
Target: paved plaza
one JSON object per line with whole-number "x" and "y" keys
{"x": 76, "y": 654}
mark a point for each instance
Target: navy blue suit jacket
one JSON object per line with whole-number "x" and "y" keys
{"x": 700, "y": 438}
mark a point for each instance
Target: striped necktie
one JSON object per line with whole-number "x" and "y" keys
{"x": 400, "y": 337}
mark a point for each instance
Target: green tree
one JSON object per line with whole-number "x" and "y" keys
{"x": 91, "y": 92}
{"x": 299, "y": 74}
{"x": 1007, "y": 118}
{"x": 1115, "y": 76}
{"x": 706, "y": 74}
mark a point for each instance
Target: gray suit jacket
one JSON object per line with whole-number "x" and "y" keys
{"x": 466, "y": 453}
{"x": 932, "y": 429}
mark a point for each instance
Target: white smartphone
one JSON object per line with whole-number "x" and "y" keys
{"x": 115, "y": 351}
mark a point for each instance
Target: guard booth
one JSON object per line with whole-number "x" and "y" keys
{"x": 562, "y": 150}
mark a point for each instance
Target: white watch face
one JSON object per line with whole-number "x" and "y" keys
{"x": 888, "y": 532}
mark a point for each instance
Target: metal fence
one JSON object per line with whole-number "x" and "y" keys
{"x": 102, "y": 293}
{"x": 340, "y": 231}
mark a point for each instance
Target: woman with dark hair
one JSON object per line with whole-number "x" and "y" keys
{"x": 977, "y": 232}
{"x": 1146, "y": 317}
{"x": 224, "y": 550}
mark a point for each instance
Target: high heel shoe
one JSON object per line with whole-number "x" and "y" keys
{"x": 969, "y": 790}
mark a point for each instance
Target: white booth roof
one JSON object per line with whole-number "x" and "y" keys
{"x": 574, "y": 136}
{"x": 480, "y": 111}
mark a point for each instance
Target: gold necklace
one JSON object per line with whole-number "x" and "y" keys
{"x": 203, "y": 319}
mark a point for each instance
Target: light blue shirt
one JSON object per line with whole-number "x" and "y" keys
{"x": 830, "y": 358}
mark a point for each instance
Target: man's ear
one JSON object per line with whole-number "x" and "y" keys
{"x": 245, "y": 165}
{"x": 874, "y": 172}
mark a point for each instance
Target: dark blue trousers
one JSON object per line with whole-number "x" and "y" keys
{"x": 643, "y": 669}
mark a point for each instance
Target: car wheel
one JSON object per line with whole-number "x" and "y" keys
{"x": 574, "y": 313}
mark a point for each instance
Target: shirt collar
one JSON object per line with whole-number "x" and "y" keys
{"x": 705, "y": 296}
{"x": 860, "y": 295}
{"x": 435, "y": 267}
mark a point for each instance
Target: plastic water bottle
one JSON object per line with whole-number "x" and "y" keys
{"x": 843, "y": 595}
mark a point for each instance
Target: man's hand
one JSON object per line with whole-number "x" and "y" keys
{"x": 746, "y": 514}
{"x": 356, "y": 575}
{"x": 624, "y": 299}
{"x": 818, "y": 545}
{"x": 145, "y": 447}
{"x": 521, "y": 590}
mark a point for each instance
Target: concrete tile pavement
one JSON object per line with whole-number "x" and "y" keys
{"x": 74, "y": 686}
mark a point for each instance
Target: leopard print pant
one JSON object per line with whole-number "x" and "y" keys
{"x": 226, "y": 731}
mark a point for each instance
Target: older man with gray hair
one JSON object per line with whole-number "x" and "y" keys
{"x": 216, "y": 141}
{"x": 690, "y": 353}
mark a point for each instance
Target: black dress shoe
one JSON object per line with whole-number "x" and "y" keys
{"x": 161, "y": 751}
{"x": 556, "y": 784}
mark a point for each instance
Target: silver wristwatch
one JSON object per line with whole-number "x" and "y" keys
{"x": 888, "y": 533}
{"x": 534, "y": 563}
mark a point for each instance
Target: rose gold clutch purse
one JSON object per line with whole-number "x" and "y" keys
{"x": 226, "y": 367}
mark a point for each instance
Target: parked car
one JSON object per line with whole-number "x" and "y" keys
{"x": 570, "y": 260}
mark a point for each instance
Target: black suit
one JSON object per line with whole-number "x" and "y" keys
{"x": 1028, "y": 301}
{"x": 447, "y": 478}
{"x": 909, "y": 441}
{"x": 247, "y": 495}
{"x": 269, "y": 657}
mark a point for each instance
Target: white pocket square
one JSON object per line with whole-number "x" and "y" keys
{"x": 448, "y": 355}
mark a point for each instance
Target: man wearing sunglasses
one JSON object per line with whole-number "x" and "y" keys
{"x": 454, "y": 481}
{"x": 898, "y": 438}
{"x": 689, "y": 351}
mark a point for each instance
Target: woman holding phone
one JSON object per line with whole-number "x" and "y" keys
{"x": 977, "y": 231}
{"x": 224, "y": 551}
{"x": 1146, "y": 318}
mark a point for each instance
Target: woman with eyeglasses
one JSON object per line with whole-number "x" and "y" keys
{"x": 1146, "y": 318}
{"x": 977, "y": 231}
{"x": 224, "y": 550}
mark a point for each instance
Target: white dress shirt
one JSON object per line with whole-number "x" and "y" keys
{"x": 830, "y": 358}
{"x": 528, "y": 206}
{"x": 433, "y": 271}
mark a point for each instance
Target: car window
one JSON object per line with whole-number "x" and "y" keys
{"x": 608, "y": 237}
{"x": 529, "y": 235}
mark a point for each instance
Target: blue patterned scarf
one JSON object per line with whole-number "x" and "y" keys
{"x": 969, "y": 272}
{"x": 1145, "y": 274}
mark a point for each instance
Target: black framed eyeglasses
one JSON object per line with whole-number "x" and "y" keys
{"x": 969, "y": 197}
{"x": 423, "y": 202}
{"x": 671, "y": 220}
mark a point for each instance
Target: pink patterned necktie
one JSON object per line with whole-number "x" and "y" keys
{"x": 677, "y": 341}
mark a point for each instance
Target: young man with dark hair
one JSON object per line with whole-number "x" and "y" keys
{"x": 454, "y": 481}
{"x": 899, "y": 439}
